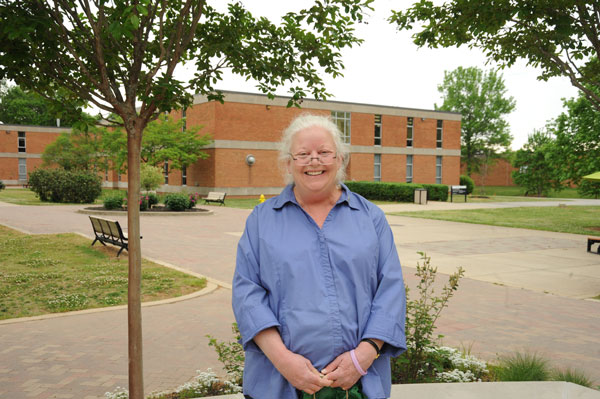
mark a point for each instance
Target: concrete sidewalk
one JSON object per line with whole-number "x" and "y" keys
{"x": 500, "y": 308}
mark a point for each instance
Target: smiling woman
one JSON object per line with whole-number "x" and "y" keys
{"x": 318, "y": 292}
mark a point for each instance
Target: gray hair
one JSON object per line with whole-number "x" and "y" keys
{"x": 305, "y": 121}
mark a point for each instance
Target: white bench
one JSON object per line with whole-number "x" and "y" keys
{"x": 215, "y": 196}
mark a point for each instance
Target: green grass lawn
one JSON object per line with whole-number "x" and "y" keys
{"x": 52, "y": 273}
{"x": 519, "y": 191}
{"x": 569, "y": 219}
{"x": 24, "y": 196}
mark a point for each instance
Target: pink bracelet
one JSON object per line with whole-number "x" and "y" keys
{"x": 356, "y": 365}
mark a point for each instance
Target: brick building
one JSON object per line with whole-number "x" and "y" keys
{"x": 389, "y": 144}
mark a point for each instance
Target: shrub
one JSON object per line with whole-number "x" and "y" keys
{"x": 152, "y": 199}
{"x": 193, "y": 200}
{"x": 397, "y": 192}
{"x": 420, "y": 362}
{"x": 144, "y": 202}
{"x": 2, "y": 186}
{"x": 436, "y": 192}
{"x": 177, "y": 202}
{"x": 113, "y": 201}
{"x": 231, "y": 355}
{"x": 59, "y": 185}
{"x": 151, "y": 177}
{"x": 523, "y": 367}
{"x": 467, "y": 181}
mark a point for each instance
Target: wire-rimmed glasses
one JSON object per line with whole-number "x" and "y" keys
{"x": 304, "y": 158}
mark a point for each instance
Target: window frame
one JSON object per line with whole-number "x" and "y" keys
{"x": 184, "y": 175}
{"x": 22, "y": 165}
{"x": 410, "y": 131}
{"x": 346, "y": 119}
{"x": 439, "y": 136}
{"x": 376, "y": 166}
{"x": 409, "y": 178}
{"x": 21, "y": 142}
{"x": 377, "y": 131}
{"x": 166, "y": 172}
{"x": 438, "y": 168}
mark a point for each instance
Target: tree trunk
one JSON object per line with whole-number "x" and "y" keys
{"x": 134, "y": 305}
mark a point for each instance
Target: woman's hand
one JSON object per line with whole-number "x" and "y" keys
{"x": 342, "y": 371}
{"x": 295, "y": 368}
{"x": 300, "y": 372}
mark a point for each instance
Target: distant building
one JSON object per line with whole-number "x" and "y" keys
{"x": 389, "y": 144}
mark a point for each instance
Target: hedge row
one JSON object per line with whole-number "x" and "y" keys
{"x": 59, "y": 185}
{"x": 397, "y": 192}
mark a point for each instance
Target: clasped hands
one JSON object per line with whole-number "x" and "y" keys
{"x": 341, "y": 372}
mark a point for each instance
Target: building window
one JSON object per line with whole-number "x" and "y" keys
{"x": 166, "y": 171}
{"x": 440, "y": 132}
{"x": 184, "y": 176}
{"x": 22, "y": 169}
{"x": 342, "y": 120}
{"x": 118, "y": 177}
{"x": 183, "y": 118}
{"x": 22, "y": 147}
{"x": 106, "y": 174}
{"x": 409, "y": 131}
{"x": 438, "y": 169}
{"x": 409, "y": 168}
{"x": 377, "y": 129}
{"x": 377, "y": 168}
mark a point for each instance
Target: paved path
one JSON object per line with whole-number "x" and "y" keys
{"x": 500, "y": 308}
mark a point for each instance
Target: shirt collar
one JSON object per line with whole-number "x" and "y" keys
{"x": 287, "y": 195}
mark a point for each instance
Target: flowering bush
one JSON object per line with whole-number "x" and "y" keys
{"x": 193, "y": 200}
{"x": 206, "y": 383}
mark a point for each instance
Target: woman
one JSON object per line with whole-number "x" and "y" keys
{"x": 318, "y": 290}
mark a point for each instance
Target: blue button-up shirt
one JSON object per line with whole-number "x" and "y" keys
{"x": 324, "y": 289}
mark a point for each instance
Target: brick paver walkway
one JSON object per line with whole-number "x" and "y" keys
{"x": 83, "y": 356}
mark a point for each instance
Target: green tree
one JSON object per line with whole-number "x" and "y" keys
{"x": 536, "y": 172}
{"x": 167, "y": 140}
{"x": 151, "y": 177}
{"x": 480, "y": 97}
{"x": 24, "y": 107}
{"x": 121, "y": 57}
{"x": 577, "y": 150}
{"x": 559, "y": 37}
{"x": 78, "y": 150}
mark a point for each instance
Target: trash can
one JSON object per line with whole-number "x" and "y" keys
{"x": 421, "y": 196}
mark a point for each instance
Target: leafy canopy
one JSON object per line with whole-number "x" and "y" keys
{"x": 481, "y": 99}
{"x": 536, "y": 173}
{"x": 577, "y": 149}
{"x": 561, "y": 37}
{"x": 24, "y": 107}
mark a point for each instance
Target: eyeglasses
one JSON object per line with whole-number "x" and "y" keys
{"x": 323, "y": 157}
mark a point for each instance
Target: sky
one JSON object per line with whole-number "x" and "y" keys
{"x": 389, "y": 69}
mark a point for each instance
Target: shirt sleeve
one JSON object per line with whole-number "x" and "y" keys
{"x": 388, "y": 310}
{"x": 249, "y": 298}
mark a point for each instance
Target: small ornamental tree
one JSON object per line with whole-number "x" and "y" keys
{"x": 151, "y": 177}
{"x": 121, "y": 56}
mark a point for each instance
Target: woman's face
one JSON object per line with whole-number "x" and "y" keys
{"x": 314, "y": 177}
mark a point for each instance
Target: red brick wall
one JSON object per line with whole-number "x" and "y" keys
{"x": 393, "y": 131}
{"x": 424, "y": 168}
{"x": 450, "y": 170}
{"x": 498, "y": 175}
{"x": 393, "y": 168}
{"x": 360, "y": 167}
{"x": 231, "y": 169}
{"x": 451, "y": 135}
{"x": 362, "y": 128}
